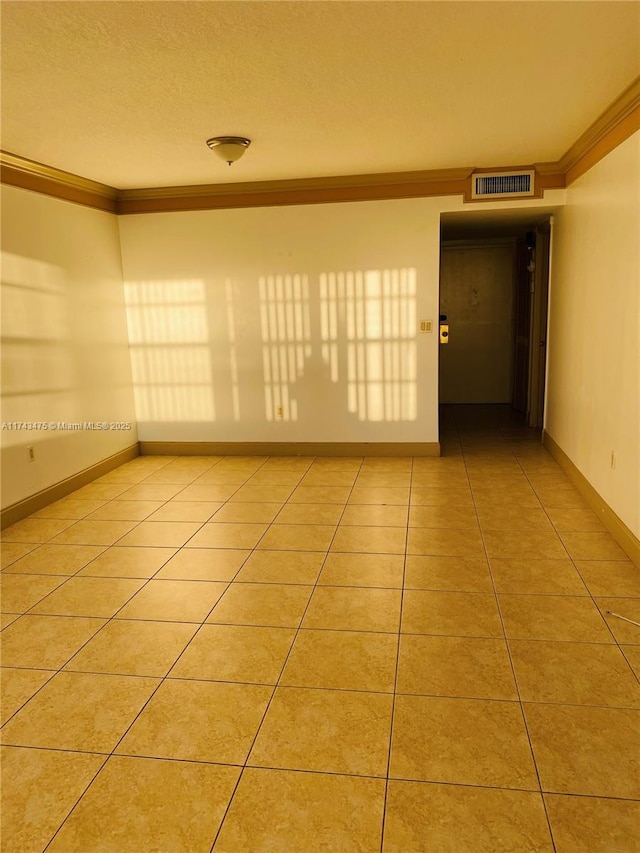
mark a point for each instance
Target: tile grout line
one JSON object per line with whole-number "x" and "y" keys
{"x": 513, "y": 671}
{"x": 397, "y": 664}
{"x": 128, "y": 728}
{"x": 282, "y": 668}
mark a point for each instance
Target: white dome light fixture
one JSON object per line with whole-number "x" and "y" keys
{"x": 229, "y": 148}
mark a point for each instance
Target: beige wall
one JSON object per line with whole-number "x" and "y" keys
{"x": 594, "y": 357}
{"x": 64, "y": 340}
{"x": 235, "y": 314}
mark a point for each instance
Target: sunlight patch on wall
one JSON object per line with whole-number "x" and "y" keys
{"x": 286, "y": 341}
{"x": 170, "y": 354}
{"x": 373, "y": 313}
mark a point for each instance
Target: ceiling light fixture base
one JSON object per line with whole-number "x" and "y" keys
{"x": 229, "y": 148}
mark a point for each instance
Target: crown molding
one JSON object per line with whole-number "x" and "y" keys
{"x": 30, "y": 175}
{"x": 385, "y": 185}
{"x": 618, "y": 122}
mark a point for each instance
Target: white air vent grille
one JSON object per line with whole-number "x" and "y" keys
{"x": 501, "y": 184}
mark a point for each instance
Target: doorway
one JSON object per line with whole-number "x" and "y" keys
{"x": 494, "y": 286}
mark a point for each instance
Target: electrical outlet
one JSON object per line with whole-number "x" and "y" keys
{"x": 32, "y": 453}
{"x": 426, "y": 325}
{"x": 280, "y": 412}
{"x": 612, "y": 461}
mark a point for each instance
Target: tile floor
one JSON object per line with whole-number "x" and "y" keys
{"x": 350, "y": 655}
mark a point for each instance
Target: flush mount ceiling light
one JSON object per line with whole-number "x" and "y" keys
{"x": 230, "y": 148}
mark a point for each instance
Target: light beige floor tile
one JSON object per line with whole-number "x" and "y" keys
{"x": 429, "y": 479}
{"x": 384, "y": 570}
{"x": 354, "y": 609}
{"x": 560, "y": 497}
{"x": 282, "y": 567}
{"x": 155, "y": 492}
{"x": 422, "y": 818}
{"x": 550, "y": 577}
{"x": 6, "y": 619}
{"x": 467, "y": 741}
{"x": 186, "y": 511}
{"x": 17, "y": 686}
{"x": 275, "y": 478}
{"x": 310, "y": 514}
{"x": 524, "y": 545}
{"x": 174, "y": 601}
{"x": 203, "y": 492}
{"x": 94, "y": 533}
{"x": 288, "y": 463}
{"x": 393, "y": 495}
{"x": 39, "y": 788}
{"x": 124, "y": 510}
{"x": 102, "y": 492}
{"x": 321, "y": 477}
{"x": 459, "y": 614}
{"x": 56, "y": 559}
{"x": 574, "y": 673}
{"x": 126, "y": 647}
{"x": 224, "y": 477}
{"x": 513, "y": 518}
{"x": 297, "y": 537}
{"x": 35, "y": 530}
{"x": 46, "y": 642}
{"x": 632, "y": 654}
{"x": 89, "y": 597}
{"x": 171, "y": 477}
{"x": 386, "y": 463}
{"x": 198, "y": 721}
{"x": 448, "y": 542}
{"x": 455, "y": 666}
{"x": 441, "y": 496}
{"x": 119, "y": 562}
{"x": 443, "y": 516}
{"x": 593, "y": 825}
{"x": 69, "y": 508}
{"x": 55, "y": 719}
{"x": 224, "y": 535}
{"x": 581, "y": 750}
{"x": 333, "y": 731}
{"x": 610, "y": 577}
{"x": 19, "y": 592}
{"x": 250, "y": 493}
{"x": 320, "y": 495}
{"x": 134, "y": 800}
{"x": 269, "y": 605}
{"x": 163, "y": 534}
{"x": 277, "y": 811}
{"x": 448, "y": 573}
{"x": 624, "y": 632}
{"x": 553, "y": 617}
{"x": 12, "y": 551}
{"x": 370, "y": 540}
{"x": 203, "y": 564}
{"x": 236, "y": 653}
{"x": 576, "y": 520}
{"x": 374, "y": 515}
{"x": 337, "y": 463}
{"x": 247, "y": 513}
{"x": 342, "y": 660}
{"x": 383, "y": 479}
{"x": 592, "y": 546}
{"x": 494, "y": 496}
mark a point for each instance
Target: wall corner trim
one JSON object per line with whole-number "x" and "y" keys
{"x": 20, "y": 510}
{"x": 627, "y": 540}
{"x": 300, "y": 448}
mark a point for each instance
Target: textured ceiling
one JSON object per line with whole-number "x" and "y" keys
{"x": 126, "y": 93}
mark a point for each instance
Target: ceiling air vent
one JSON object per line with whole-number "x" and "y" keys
{"x": 501, "y": 184}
